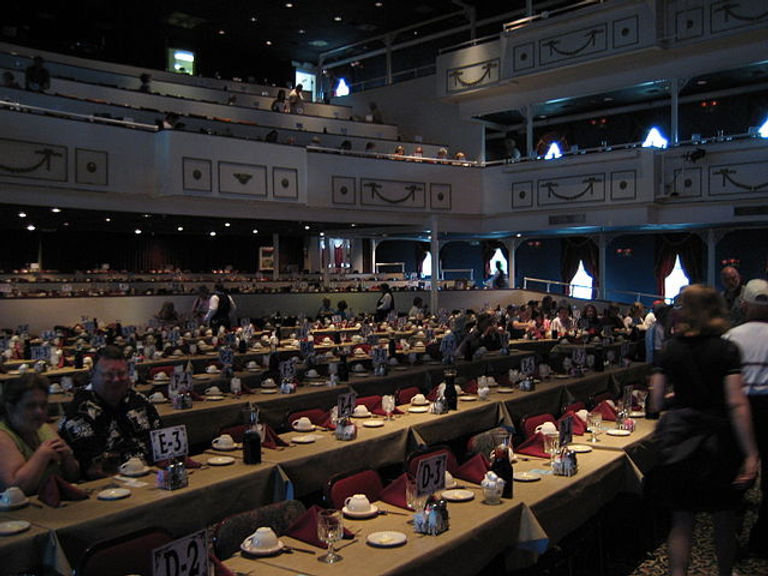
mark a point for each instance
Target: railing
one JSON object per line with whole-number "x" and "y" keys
{"x": 400, "y": 265}
{"x": 550, "y": 283}
{"x": 469, "y": 271}
{"x": 19, "y": 107}
{"x": 637, "y": 296}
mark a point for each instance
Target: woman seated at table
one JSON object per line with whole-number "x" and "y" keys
{"x": 590, "y": 321}
{"x": 30, "y": 450}
{"x": 540, "y": 328}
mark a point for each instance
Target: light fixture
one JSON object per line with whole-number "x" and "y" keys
{"x": 352, "y": 225}
{"x": 221, "y": 32}
{"x": 55, "y": 210}
{"x": 227, "y": 224}
{"x": 255, "y": 231}
{"x": 137, "y": 231}
{"x": 145, "y": 215}
{"x": 268, "y": 42}
{"x": 518, "y": 235}
{"x": 337, "y": 18}
{"x": 107, "y": 219}
{"x": 378, "y": 4}
{"x": 655, "y": 139}
{"x": 31, "y": 227}
{"x": 322, "y": 234}
{"x": 22, "y": 214}
{"x": 180, "y": 229}
{"x": 253, "y": 18}
{"x": 306, "y": 227}
{"x": 302, "y": 31}
{"x": 211, "y": 233}
{"x": 289, "y": 4}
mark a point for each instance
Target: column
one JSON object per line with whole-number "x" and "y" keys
{"x": 602, "y": 246}
{"x": 435, "y": 250}
{"x": 276, "y": 256}
{"x": 528, "y": 111}
{"x": 512, "y": 245}
{"x": 676, "y": 85}
{"x": 313, "y": 254}
{"x": 356, "y": 254}
{"x": 374, "y": 243}
{"x": 325, "y": 256}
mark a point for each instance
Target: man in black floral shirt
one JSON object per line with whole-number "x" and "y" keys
{"x": 109, "y": 422}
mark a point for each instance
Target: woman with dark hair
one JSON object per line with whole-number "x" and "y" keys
{"x": 589, "y": 321}
{"x": 30, "y": 450}
{"x": 707, "y": 451}
{"x": 385, "y": 303}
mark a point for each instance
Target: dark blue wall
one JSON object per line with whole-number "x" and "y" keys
{"x": 464, "y": 255}
{"x": 630, "y": 273}
{"x": 539, "y": 262}
{"x": 749, "y": 246}
{"x": 398, "y": 251}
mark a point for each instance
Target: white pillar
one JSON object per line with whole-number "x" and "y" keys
{"x": 374, "y": 243}
{"x": 512, "y": 245}
{"x": 528, "y": 110}
{"x": 276, "y": 256}
{"x": 602, "y": 246}
{"x": 435, "y": 250}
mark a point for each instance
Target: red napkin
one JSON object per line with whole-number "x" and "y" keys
{"x": 55, "y": 489}
{"x": 534, "y": 446}
{"x": 218, "y": 566}
{"x": 606, "y": 410}
{"x": 473, "y": 470}
{"x": 470, "y": 387}
{"x": 305, "y": 528}
{"x": 395, "y": 493}
{"x": 326, "y": 422}
{"x": 271, "y": 439}
{"x": 578, "y": 427}
{"x": 195, "y": 395}
{"x": 432, "y": 395}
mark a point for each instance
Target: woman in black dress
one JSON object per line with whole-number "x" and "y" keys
{"x": 707, "y": 451}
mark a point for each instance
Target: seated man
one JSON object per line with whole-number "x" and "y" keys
{"x": 484, "y": 334}
{"x": 108, "y": 422}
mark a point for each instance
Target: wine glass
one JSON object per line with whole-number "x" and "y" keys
{"x": 595, "y": 425}
{"x": 551, "y": 445}
{"x": 388, "y": 405}
{"x": 412, "y": 498}
{"x": 330, "y": 529}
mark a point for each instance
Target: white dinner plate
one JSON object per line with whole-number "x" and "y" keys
{"x": 200, "y": 376}
{"x": 374, "y": 423}
{"x": 269, "y": 390}
{"x": 13, "y": 527}
{"x": 425, "y": 403}
{"x": 305, "y": 439}
{"x": 253, "y": 369}
{"x": 214, "y": 397}
{"x": 310, "y": 429}
{"x": 468, "y": 398}
{"x": 137, "y": 473}
{"x": 418, "y": 409}
{"x": 113, "y": 494}
{"x": 505, "y": 390}
{"x": 353, "y": 373}
{"x": 261, "y": 551}
{"x": 370, "y": 513}
{"x": 386, "y": 539}
{"x": 399, "y": 368}
{"x": 526, "y": 477}
{"x": 580, "y": 448}
{"x": 637, "y": 414}
{"x": 220, "y": 460}
{"x": 458, "y": 495}
{"x": 16, "y": 506}
{"x": 163, "y": 401}
{"x": 617, "y": 432}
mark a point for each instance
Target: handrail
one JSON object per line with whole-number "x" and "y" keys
{"x": 470, "y": 270}
{"x": 18, "y": 106}
{"x": 635, "y": 293}
{"x": 544, "y": 15}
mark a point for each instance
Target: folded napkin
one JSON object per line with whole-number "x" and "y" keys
{"x": 196, "y": 396}
{"x": 305, "y": 528}
{"x": 375, "y": 407}
{"x": 55, "y": 489}
{"x": 470, "y": 387}
{"x": 325, "y": 421}
{"x": 188, "y": 463}
{"x": 604, "y": 408}
{"x": 370, "y": 402}
{"x": 474, "y": 469}
{"x": 432, "y": 394}
{"x": 394, "y": 493}
{"x": 218, "y": 566}
{"x": 578, "y": 426}
{"x": 271, "y": 439}
{"x": 534, "y": 446}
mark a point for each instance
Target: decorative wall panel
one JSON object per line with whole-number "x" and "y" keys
{"x": 738, "y": 178}
{"x": 196, "y": 174}
{"x": 91, "y": 167}
{"x": 392, "y": 193}
{"x": 571, "y": 190}
{"x": 440, "y": 196}
{"x": 473, "y": 75}
{"x": 285, "y": 183}
{"x": 36, "y": 160}
{"x": 343, "y": 190}
{"x": 249, "y": 179}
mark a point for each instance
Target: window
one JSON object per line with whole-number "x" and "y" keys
{"x": 763, "y": 131}
{"x": 553, "y": 152}
{"x": 676, "y": 281}
{"x": 498, "y": 256}
{"x": 581, "y": 284}
{"x": 655, "y": 139}
{"x": 182, "y": 61}
{"x": 342, "y": 89}
{"x": 426, "y": 266}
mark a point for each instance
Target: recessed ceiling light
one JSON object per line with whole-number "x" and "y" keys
{"x": 66, "y": 223}
{"x": 107, "y": 219}
{"x": 55, "y": 210}
{"x": 306, "y": 227}
{"x": 378, "y": 4}
{"x": 701, "y": 82}
{"x": 22, "y": 214}
{"x": 211, "y": 233}
{"x": 352, "y": 225}
{"x": 518, "y": 235}
{"x": 31, "y": 227}
{"x": 302, "y": 31}
{"x": 255, "y": 231}
{"x": 146, "y": 215}
{"x": 137, "y": 231}
{"x": 227, "y": 224}
{"x": 322, "y": 234}
{"x": 180, "y": 229}
{"x": 268, "y": 42}
{"x": 318, "y": 43}
{"x": 221, "y": 32}
{"x": 289, "y": 4}
{"x": 253, "y": 18}
{"x": 607, "y": 99}
{"x": 337, "y": 18}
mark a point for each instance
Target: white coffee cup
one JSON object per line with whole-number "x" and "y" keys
{"x": 212, "y": 369}
{"x": 213, "y": 390}
{"x": 156, "y": 397}
{"x": 224, "y": 441}
{"x": 449, "y": 479}
{"x": 264, "y": 538}
{"x": 547, "y": 428}
{"x": 361, "y": 410}
{"x": 55, "y": 388}
{"x": 132, "y": 466}
{"x": 13, "y": 496}
{"x": 268, "y": 383}
{"x": 252, "y": 365}
{"x": 357, "y": 503}
{"x": 312, "y": 373}
{"x": 483, "y": 392}
{"x": 302, "y": 423}
{"x": 418, "y": 399}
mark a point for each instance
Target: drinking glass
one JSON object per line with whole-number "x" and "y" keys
{"x": 594, "y": 425}
{"x": 388, "y": 405}
{"x": 412, "y": 498}
{"x": 551, "y": 445}
{"x": 641, "y": 396}
{"x": 330, "y": 529}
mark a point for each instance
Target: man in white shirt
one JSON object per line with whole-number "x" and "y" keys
{"x": 221, "y": 308}
{"x": 752, "y": 339}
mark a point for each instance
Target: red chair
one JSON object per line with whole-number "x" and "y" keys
{"x": 237, "y": 432}
{"x": 530, "y": 423}
{"x": 404, "y": 396}
{"x": 370, "y": 402}
{"x": 413, "y": 459}
{"x": 168, "y": 370}
{"x": 126, "y": 554}
{"x": 342, "y": 486}
{"x": 315, "y": 415}
{"x": 598, "y": 398}
{"x": 575, "y": 407}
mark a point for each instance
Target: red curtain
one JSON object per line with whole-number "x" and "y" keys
{"x": 576, "y": 250}
{"x": 689, "y": 247}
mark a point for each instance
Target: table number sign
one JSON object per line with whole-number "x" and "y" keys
{"x": 566, "y": 431}
{"x": 169, "y": 442}
{"x": 187, "y": 556}
{"x": 306, "y": 348}
{"x": 287, "y": 371}
{"x": 625, "y": 349}
{"x": 528, "y": 365}
{"x": 48, "y": 335}
{"x": 448, "y": 348}
{"x": 226, "y": 356}
{"x": 345, "y": 404}
{"x": 336, "y": 319}
{"x": 123, "y": 287}
{"x": 191, "y": 325}
{"x": 41, "y": 352}
{"x": 89, "y": 326}
{"x": 579, "y": 356}
{"x": 245, "y": 322}
{"x": 379, "y": 355}
{"x": 127, "y": 331}
{"x": 430, "y": 474}
{"x": 22, "y": 329}
{"x": 174, "y": 336}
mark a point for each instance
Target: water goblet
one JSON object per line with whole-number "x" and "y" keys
{"x": 551, "y": 445}
{"x": 412, "y": 498}
{"x": 388, "y": 405}
{"x": 330, "y": 529}
{"x": 594, "y": 425}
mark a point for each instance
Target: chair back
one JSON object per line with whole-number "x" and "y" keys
{"x": 341, "y": 486}
{"x": 126, "y": 554}
{"x": 530, "y": 423}
{"x": 232, "y": 530}
{"x": 575, "y": 407}
{"x": 168, "y": 370}
{"x": 404, "y": 396}
{"x": 413, "y": 459}
{"x": 315, "y": 415}
{"x": 484, "y": 442}
{"x": 237, "y": 432}
{"x": 598, "y": 398}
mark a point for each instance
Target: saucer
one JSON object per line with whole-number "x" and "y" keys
{"x": 386, "y": 539}
{"x": 13, "y": 527}
{"x": 253, "y": 369}
{"x": 637, "y": 414}
{"x": 458, "y": 495}
{"x": 269, "y": 390}
{"x": 158, "y": 400}
{"x": 261, "y": 551}
{"x": 143, "y": 471}
{"x": 220, "y": 460}
{"x": 232, "y": 448}
{"x": 466, "y": 398}
{"x": 306, "y": 439}
{"x": 580, "y": 448}
{"x": 113, "y": 494}
{"x": 370, "y": 513}
{"x": 418, "y": 409}
{"x": 201, "y": 376}
{"x": 366, "y": 415}
{"x": 311, "y": 428}
{"x": 15, "y": 506}
{"x": 505, "y": 390}
{"x": 373, "y": 423}
{"x": 618, "y": 432}
{"x": 525, "y": 477}
{"x": 214, "y": 397}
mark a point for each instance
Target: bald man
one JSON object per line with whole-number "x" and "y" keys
{"x": 732, "y": 284}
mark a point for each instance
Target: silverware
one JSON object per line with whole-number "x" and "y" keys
{"x": 387, "y": 512}
{"x": 290, "y": 549}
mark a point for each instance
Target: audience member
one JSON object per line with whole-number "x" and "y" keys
{"x": 706, "y": 448}
{"x": 221, "y": 308}
{"x": 563, "y": 324}
{"x": 271, "y": 136}
{"x": 442, "y": 154}
{"x": 200, "y": 303}
{"x": 325, "y": 310}
{"x": 9, "y": 80}
{"x": 108, "y": 422}
{"x": 341, "y": 310}
{"x": 733, "y": 285}
{"x": 146, "y": 80}
{"x": 167, "y": 313}
{"x": 385, "y": 303}
{"x": 30, "y": 450}
{"x": 589, "y": 321}
{"x": 482, "y": 335}
{"x": 752, "y": 339}
{"x": 499, "y": 279}
{"x": 375, "y": 115}
{"x": 417, "y": 309}
{"x": 38, "y": 79}
{"x": 279, "y": 104}
{"x": 346, "y": 145}
{"x": 296, "y": 100}
{"x": 370, "y": 147}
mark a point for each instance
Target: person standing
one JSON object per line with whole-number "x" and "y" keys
{"x": 733, "y": 285}
{"x": 499, "y": 279}
{"x": 37, "y": 78}
{"x": 706, "y": 447}
{"x": 221, "y": 308}
{"x": 752, "y": 339}
{"x": 200, "y": 304}
{"x": 296, "y": 100}
{"x": 385, "y": 303}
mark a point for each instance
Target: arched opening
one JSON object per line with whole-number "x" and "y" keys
{"x": 676, "y": 281}
{"x": 581, "y": 283}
